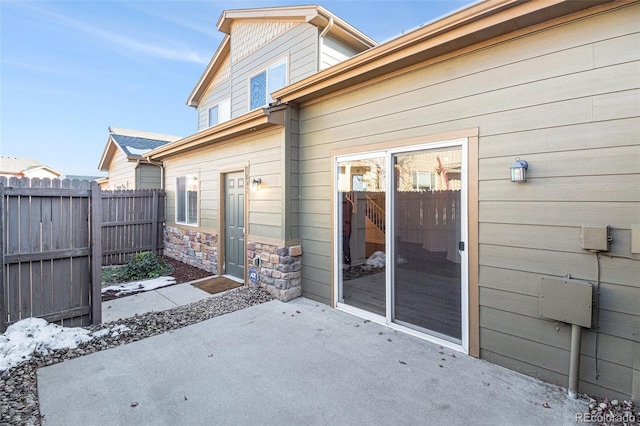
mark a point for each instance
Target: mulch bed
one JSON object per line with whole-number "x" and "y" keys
{"x": 182, "y": 272}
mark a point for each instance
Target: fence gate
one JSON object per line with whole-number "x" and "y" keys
{"x": 50, "y": 259}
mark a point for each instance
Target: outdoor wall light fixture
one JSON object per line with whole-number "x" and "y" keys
{"x": 519, "y": 170}
{"x": 255, "y": 184}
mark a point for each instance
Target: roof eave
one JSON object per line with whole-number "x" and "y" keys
{"x": 477, "y": 23}
{"x": 245, "y": 124}
{"x": 107, "y": 155}
{"x": 103, "y": 165}
{"x": 342, "y": 30}
{"x": 302, "y": 13}
{"x": 24, "y": 172}
{"x": 214, "y": 65}
{"x": 313, "y": 14}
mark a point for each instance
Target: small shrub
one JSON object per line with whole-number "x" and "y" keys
{"x": 145, "y": 265}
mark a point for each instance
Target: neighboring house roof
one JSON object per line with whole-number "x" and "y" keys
{"x": 132, "y": 143}
{"x": 81, "y": 177}
{"x": 478, "y": 25}
{"x": 20, "y": 166}
{"x": 316, "y": 15}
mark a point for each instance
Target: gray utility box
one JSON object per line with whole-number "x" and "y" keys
{"x": 566, "y": 300}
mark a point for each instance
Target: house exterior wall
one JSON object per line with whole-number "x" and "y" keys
{"x": 121, "y": 172}
{"x": 567, "y": 100}
{"x": 41, "y": 174}
{"x": 148, "y": 176}
{"x": 214, "y": 96}
{"x": 261, "y": 154}
{"x": 299, "y": 45}
{"x": 333, "y": 52}
{"x": 267, "y": 44}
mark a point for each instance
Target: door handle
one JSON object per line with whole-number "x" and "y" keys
{"x": 461, "y": 246}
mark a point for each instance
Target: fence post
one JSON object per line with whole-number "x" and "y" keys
{"x": 96, "y": 254}
{"x": 3, "y": 300}
{"x": 154, "y": 220}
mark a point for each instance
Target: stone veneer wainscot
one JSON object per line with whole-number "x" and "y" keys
{"x": 279, "y": 270}
{"x": 195, "y": 248}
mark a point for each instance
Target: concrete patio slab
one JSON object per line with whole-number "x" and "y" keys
{"x": 293, "y": 363}
{"x": 155, "y": 300}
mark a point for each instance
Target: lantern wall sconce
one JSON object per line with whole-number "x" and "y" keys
{"x": 519, "y": 170}
{"x": 255, "y": 184}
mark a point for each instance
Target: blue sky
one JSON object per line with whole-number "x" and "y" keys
{"x": 71, "y": 69}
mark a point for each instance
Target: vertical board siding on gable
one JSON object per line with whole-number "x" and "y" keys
{"x": 541, "y": 97}
{"x": 148, "y": 176}
{"x": 299, "y": 44}
{"x": 263, "y": 150}
{"x": 213, "y": 97}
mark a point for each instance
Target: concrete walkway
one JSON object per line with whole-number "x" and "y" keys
{"x": 155, "y": 300}
{"x": 296, "y": 363}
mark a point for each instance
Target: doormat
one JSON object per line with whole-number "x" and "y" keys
{"x": 216, "y": 284}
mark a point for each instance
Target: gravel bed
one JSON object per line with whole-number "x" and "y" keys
{"x": 19, "y": 387}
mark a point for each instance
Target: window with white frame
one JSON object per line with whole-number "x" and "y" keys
{"x": 220, "y": 113}
{"x": 187, "y": 200}
{"x": 261, "y": 85}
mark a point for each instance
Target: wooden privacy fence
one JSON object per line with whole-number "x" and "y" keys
{"x": 430, "y": 218}
{"x": 132, "y": 222}
{"x": 52, "y": 234}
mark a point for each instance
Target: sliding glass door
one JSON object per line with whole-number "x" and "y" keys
{"x": 401, "y": 232}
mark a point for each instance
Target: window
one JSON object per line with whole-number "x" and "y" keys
{"x": 187, "y": 200}
{"x": 263, "y": 84}
{"x": 220, "y": 113}
{"x": 422, "y": 181}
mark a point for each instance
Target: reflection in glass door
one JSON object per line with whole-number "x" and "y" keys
{"x": 426, "y": 241}
{"x": 362, "y": 221}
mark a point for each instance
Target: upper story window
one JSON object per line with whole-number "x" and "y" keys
{"x": 187, "y": 200}
{"x": 220, "y": 113}
{"x": 261, "y": 85}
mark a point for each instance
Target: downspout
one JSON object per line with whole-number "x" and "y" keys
{"x": 320, "y": 44}
{"x": 327, "y": 28}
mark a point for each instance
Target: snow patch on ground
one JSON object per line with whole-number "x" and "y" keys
{"x": 137, "y": 286}
{"x": 35, "y": 335}
{"x": 113, "y": 332}
{"x": 377, "y": 260}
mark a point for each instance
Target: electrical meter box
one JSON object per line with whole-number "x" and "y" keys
{"x": 566, "y": 300}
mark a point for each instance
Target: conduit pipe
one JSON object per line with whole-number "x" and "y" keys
{"x": 574, "y": 363}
